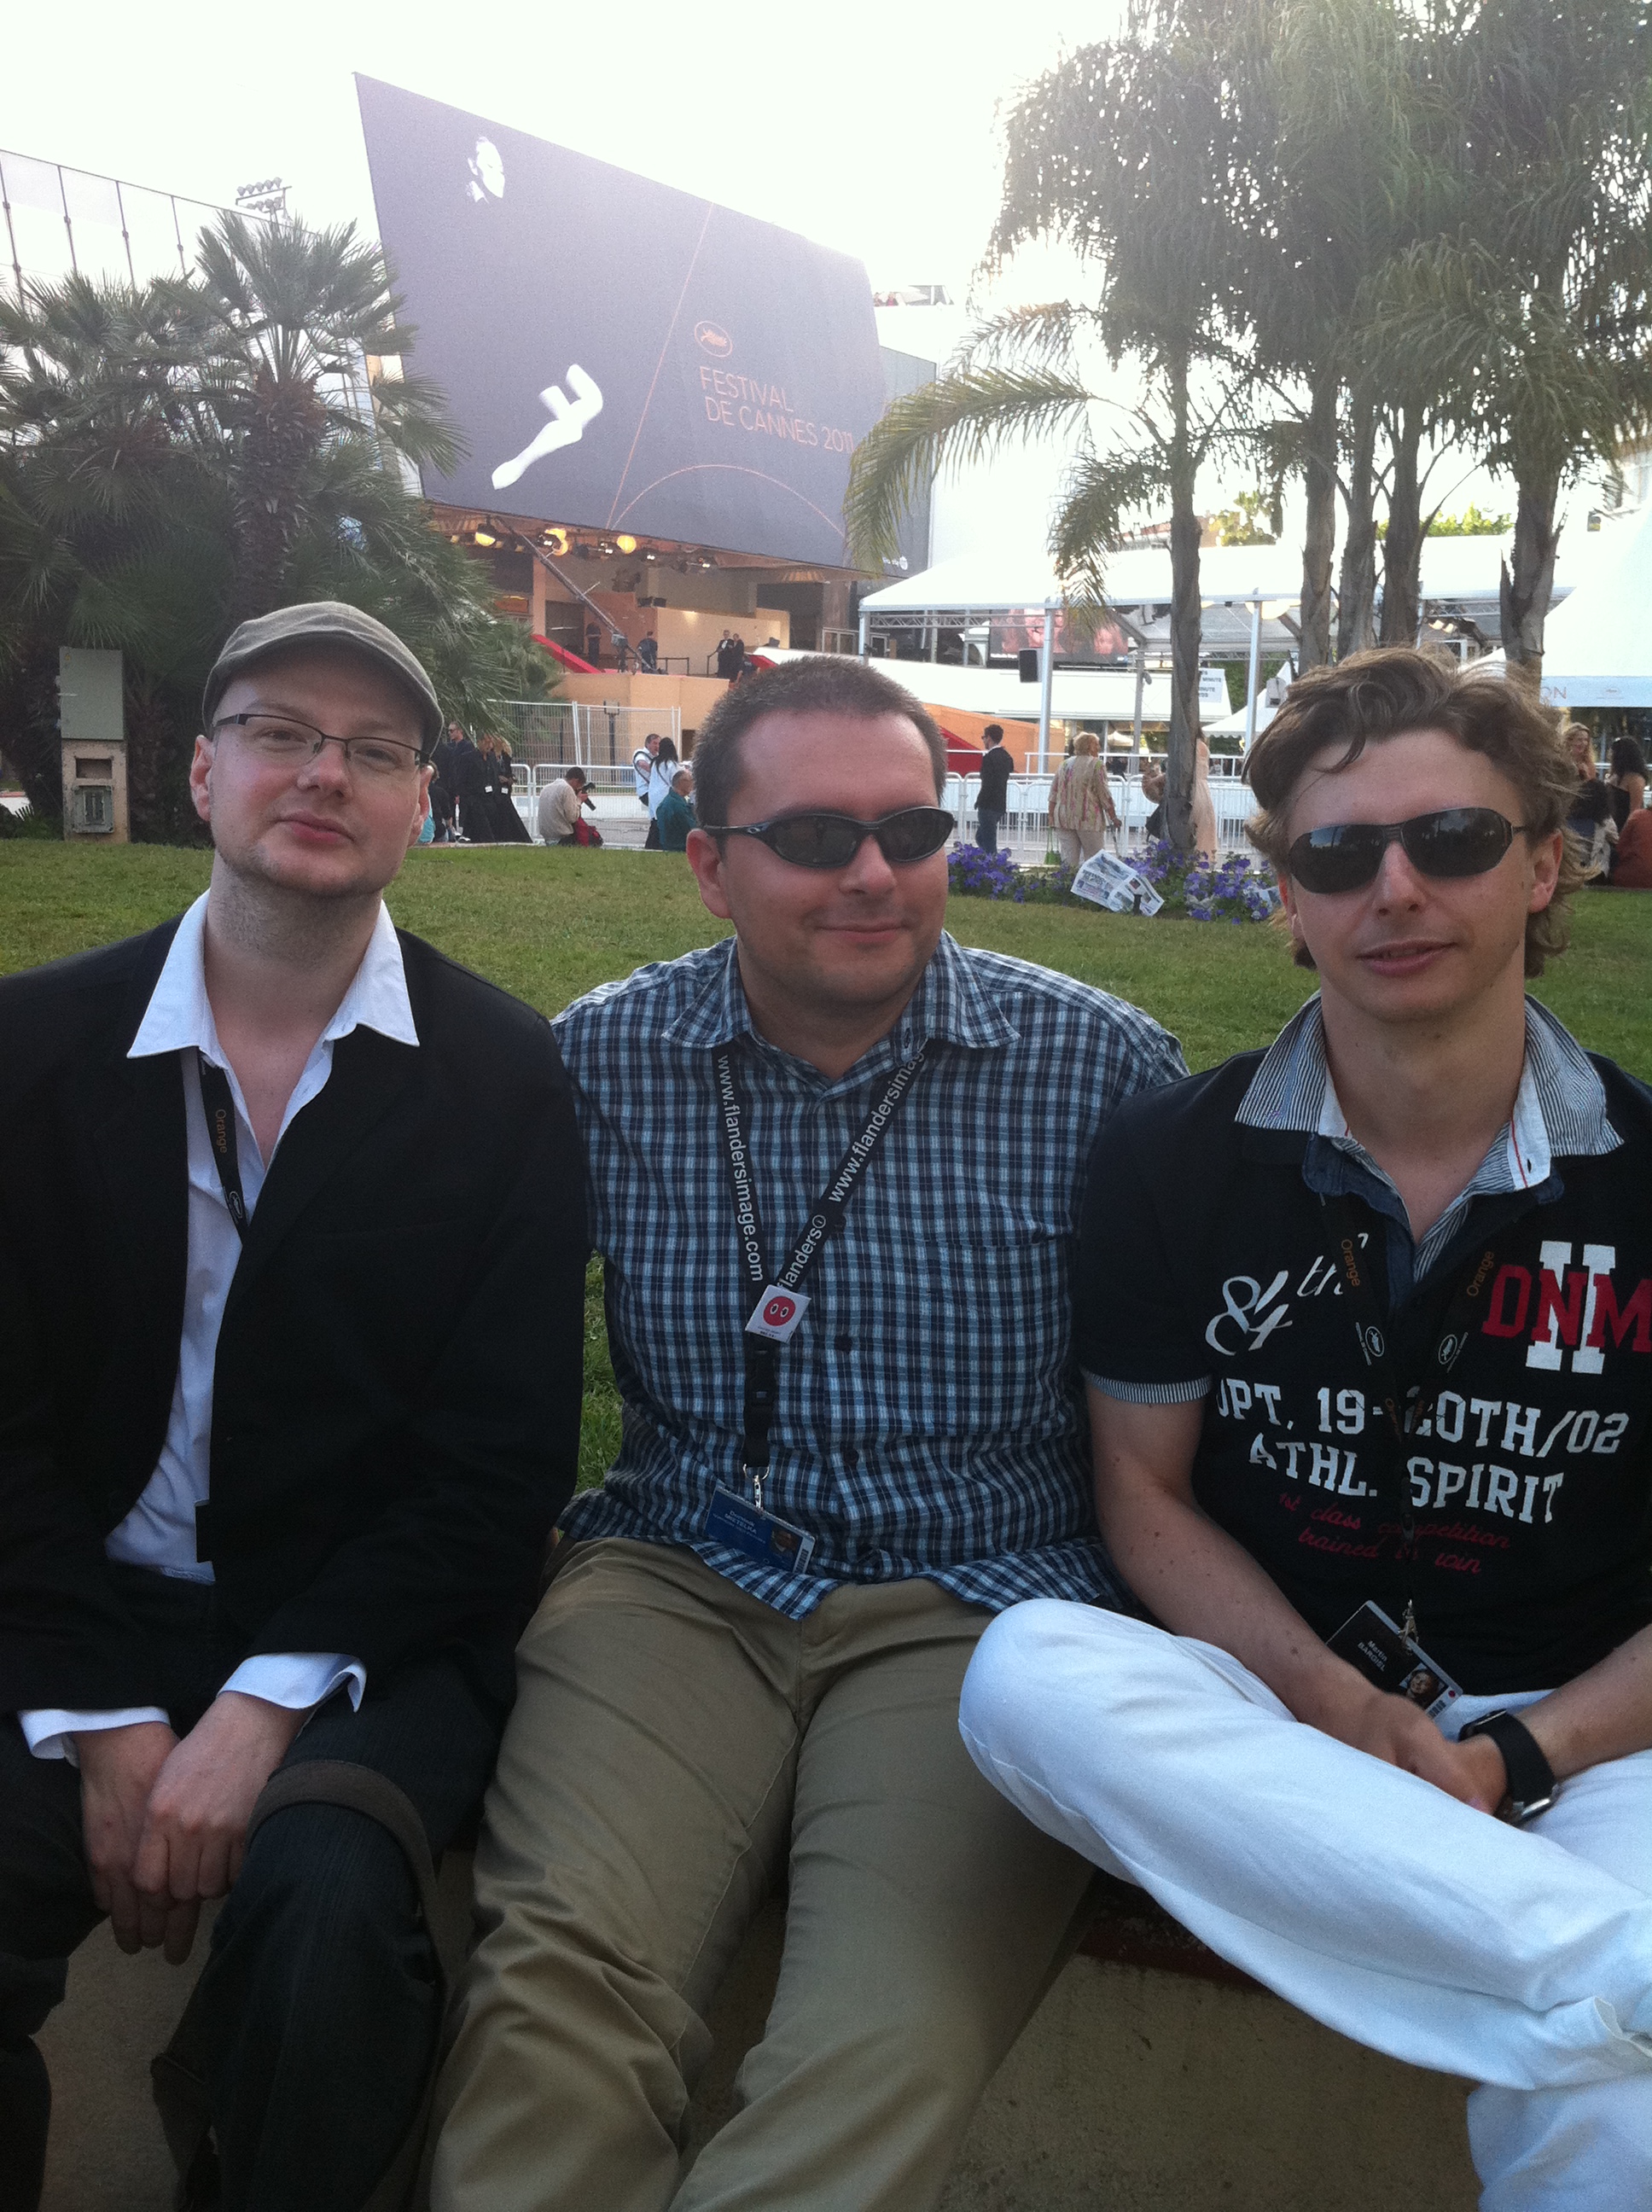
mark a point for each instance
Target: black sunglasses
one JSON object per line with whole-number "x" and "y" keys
{"x": 1344, "y": 856}
{"x": 818, "y": 840}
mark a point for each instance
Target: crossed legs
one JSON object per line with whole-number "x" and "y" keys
{"x": 1520, "y": 1959}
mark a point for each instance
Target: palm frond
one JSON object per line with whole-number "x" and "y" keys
{"x": 958, "y": 419}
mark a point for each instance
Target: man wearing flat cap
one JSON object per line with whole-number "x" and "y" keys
{"x": 269, "y": 1525}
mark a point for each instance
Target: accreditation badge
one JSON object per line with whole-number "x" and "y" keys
{"x": 777, "y": 1313}
{"x": 764, "y": 1537}
{"x": 1382, "y": 1652}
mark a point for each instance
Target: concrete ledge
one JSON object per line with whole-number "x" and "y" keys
{"x": 1153, "y": 2079}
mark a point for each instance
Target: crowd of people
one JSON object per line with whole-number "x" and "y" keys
{"x": 294, "y": 1591}
{"x": 1609, "y": 814}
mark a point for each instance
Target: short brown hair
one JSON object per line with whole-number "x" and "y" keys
{"x": 824, "y": 682}
{"x": 1373, "y": 695}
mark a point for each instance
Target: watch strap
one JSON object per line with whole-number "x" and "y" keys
{"x": 1532, "y": 1784}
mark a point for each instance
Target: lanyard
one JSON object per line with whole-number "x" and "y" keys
{"x": 221, "y": 1133}
{"x": 1355, "y": 1276}
{"x": 779, "y": 1300}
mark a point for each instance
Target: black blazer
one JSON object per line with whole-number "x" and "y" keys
{"x": 995, "y": 765}
{"x": 379, "y": 1487}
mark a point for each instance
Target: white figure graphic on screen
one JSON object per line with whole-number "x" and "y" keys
{"x": 566, "y": 427}
{"x": 487, "y": 171}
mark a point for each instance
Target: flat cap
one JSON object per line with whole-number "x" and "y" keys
{"x": 322, "y": 622}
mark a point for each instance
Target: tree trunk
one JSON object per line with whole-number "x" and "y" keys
{"x": 1320, "y": 537}
{"x": 1356, "y": 597}
{"x": 1184, "y": 623}
{"x": 1525, "y": 594}
{"x": 285, "y": 428}
{"x": 1402, "y": 551}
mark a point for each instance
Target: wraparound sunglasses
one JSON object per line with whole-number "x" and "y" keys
{"x": 1344, "y": 856}
{"x": 819, "y": 840}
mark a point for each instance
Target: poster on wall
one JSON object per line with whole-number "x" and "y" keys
{"x": 617, "y": 355}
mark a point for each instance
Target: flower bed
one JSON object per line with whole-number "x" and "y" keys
{"x": 1235, "y": 888}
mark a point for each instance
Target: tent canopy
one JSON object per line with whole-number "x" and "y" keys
{"x": 1597, "y": 648}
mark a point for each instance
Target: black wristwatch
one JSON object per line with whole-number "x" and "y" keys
{"x": 1532, "y": 1785}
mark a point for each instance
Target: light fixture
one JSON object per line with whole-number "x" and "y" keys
{"x": 554, "y": 542}
{"x": 626, "y": 544}
{"x": 651, "y": 557}
{"x": 485, "y": 537}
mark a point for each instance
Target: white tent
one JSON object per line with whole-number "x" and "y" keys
{"x": 1597, "y": 648}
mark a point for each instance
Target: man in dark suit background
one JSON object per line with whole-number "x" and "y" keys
{"x": 992, "y": 801}
{"x": 259, "y": 1472}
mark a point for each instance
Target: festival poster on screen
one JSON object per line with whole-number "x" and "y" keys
{"x": 617, "y": 355}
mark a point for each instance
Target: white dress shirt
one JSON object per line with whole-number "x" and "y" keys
{"x": 160, "y": 1530}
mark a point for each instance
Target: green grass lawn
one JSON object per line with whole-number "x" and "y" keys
{"x": 549, "y": 925}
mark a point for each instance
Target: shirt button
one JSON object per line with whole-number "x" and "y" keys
{"x": 843, "y": 1342}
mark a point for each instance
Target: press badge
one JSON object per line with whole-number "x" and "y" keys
{"x": 764, "y": 1537}
{"x": 1385, "y": 1655}
{"x": 777, "y": 1314}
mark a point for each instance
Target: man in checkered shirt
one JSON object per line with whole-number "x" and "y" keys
{"x": 747, "y": 1668}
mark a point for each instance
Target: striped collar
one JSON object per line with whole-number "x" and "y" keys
{"x": 1560, "y": 1108}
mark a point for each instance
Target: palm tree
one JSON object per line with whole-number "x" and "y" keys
{"x": 176, "y": 456}
{"x": 1126, "y": 152}
{"x": 1532, "y": 303}
{"x": 299, "y": 315}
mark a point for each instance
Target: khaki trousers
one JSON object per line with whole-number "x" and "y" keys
{"x": 675, "y": 1744}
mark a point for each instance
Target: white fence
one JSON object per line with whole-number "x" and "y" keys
{"x": 559, "y": 733}
{"x": 1026, "y": 822}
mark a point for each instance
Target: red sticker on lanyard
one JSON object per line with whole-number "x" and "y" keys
{"x": 777, "y": 1314}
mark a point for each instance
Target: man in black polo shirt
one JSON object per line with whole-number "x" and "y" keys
{"x": 1424, "y": 1196}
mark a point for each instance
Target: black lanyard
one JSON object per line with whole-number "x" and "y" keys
{"x": 221, "y": 1134}
{"x": 826, "y": 1217}
{"x": 1353, "y": 1272}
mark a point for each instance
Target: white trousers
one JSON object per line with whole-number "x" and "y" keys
{"x": 1519, "y": 1958}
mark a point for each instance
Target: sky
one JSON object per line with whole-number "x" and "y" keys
{"x": 870, "y": 127}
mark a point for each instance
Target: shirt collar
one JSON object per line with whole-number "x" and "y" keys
{"x": 180, "y": 1013}
{"x": 1559, "y": 1108}
{"x": 948, "y": 1003}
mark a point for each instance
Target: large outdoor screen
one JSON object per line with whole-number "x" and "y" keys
{"x": 617, "y": 355}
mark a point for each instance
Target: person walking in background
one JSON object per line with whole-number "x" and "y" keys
{"x": 648, "y": 653}
{"x": 470, "y": 784}
{"x": 666, "y": 765}
{"x": 1204, "y": 805}
{"x": 1592, "y": 820}
{"x": 1081, "y": 805}
{"x": 642, "y": 765}
{"x": 441, "y": 785}
{"x": 560, "y": 810}
{"x": 1627, "y": 781}
{"x": 993, "y": 799}
{"x": 505, "y": 825}
{"x": 675, "y": 817}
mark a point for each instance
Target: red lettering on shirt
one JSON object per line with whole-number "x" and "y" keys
{"x": 1498, "y": 1321}
{"x": 1608, "y": 1315}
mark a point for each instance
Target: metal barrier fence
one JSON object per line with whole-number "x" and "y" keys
{"x": 1026, "y": 821}
{"x": 562, "y": 733}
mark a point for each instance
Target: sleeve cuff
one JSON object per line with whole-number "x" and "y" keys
{"x": 50, "y": 1731}
{"x": 1151, "y": 1394}
{"x": 298, "y": 1679}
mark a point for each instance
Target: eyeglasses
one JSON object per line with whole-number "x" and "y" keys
{"x": 1344, "y": 856}
{"x": 279, "y": 738}
{"x": 819, "y": 840}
